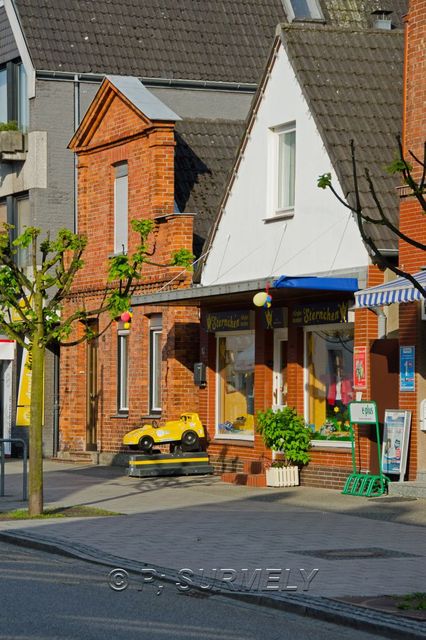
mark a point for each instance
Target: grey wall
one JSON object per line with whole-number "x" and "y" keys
{"x": 53, "y": 111}
{"x": 8, "y": 49}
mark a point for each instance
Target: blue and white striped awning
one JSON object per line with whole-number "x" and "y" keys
{"x": 398, "y": 290}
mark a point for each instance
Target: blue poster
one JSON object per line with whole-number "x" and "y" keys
{"x": 407, "y": 381}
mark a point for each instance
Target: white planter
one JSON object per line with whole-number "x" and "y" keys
{"x": 282, "y": 476}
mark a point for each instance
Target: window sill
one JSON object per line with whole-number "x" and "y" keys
{"x": 120, "y": 414}
{"x": 233, "y": 442}
{"x": 282, "y": 215}
{"x": 330, "y": 444}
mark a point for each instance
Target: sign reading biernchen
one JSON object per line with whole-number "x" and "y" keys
{"x": 324, "y": 313}
{"x": 228, "y": 321}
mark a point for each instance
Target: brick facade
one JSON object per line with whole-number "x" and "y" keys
{"x": 113, "y": 131}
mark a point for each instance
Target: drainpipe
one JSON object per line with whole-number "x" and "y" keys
{"x": 56, "y": 402}
{"x": 76, "y": 124}
{"x": 381, "y": 322}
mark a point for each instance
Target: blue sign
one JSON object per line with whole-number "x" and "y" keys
{"x": 407, "y": 380}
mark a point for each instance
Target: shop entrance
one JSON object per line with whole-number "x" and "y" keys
{"x": 279, "y": 399}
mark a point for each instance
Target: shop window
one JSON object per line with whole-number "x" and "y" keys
{"x": 123, "y": 372}
{"x": 235, "y": 388}
{"x": 13, "y": 94}
{"x": 329, "y": 384}
{"x": 155, "y": 331}
{"x": 120, "y": 208}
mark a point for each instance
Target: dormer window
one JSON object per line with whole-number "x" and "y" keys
{"x": 303, "y": 10}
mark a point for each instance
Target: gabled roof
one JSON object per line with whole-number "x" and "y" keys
{"x": 205, "y": 150}
{"x": 146, "y": 109}
{"x": 352, "y": 82}
{"x": 219, "y": 40}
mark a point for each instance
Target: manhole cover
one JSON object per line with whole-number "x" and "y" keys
{"x": 354, "y": 554}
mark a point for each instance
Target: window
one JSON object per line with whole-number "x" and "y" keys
{"x": 21, "y": 221}
{"x": 235, "y": 386}
{"x": 303, "y": 10}
{"x": 120, "y": 208}
{"x": 155, "y": 330}
{"x": 123, "y": 371}
{"x": 16, "y": 210}
{"x": 329, "y": 383}
{"x": 13, "y": 94}
{"x": 285, "y": 169}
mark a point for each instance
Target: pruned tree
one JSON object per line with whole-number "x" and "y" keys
{"x": 32, "y": 308}
{"x": 413, "y": 176}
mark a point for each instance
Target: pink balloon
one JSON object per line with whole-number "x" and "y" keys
{"x": 125, "y": 316}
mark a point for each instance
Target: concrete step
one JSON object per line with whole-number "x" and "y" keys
{"x": 245, "y": 479}
{"x": 80, "y": 457}
{"x": 412, "y": 489}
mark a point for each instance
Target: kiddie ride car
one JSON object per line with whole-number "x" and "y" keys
{"x": 185, "y": 434}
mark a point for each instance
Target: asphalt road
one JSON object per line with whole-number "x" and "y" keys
{"x": 44, "y": 596}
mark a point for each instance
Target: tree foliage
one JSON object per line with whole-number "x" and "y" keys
{"x": 33, "y": 310}
{"x": 284, "y": 430}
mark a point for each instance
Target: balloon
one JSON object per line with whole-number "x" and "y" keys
{"x": 126, "y": 325}
{"x": 260, "y": 298}
{"x": 125, "y": 316}
{"x": 268, "y": 301}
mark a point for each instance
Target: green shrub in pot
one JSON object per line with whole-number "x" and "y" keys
{"x": 284, "y": 430}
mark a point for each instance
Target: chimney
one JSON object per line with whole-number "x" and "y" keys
{"x": 382, "y": 19}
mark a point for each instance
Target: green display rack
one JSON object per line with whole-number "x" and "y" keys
{"x": 364, "y": 484}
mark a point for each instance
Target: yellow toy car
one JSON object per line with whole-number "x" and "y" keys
{"x": 185, "y": 434}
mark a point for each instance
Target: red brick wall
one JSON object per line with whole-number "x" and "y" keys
{"x": 412, "y": 221}
{"x": 113, "y": 132}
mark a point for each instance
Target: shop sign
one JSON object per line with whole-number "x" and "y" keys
{"x": 395, "y": 441}
{"x": 407, "y": 381}
{"x": 324, "y": 313}
{"x": 360, "y": 367}
{"x": 228, "y": 321}
{"x": 363, "y": 412}
{"x": 274, "y": 318}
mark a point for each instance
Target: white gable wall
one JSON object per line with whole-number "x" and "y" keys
{"x": 321, "y": 236}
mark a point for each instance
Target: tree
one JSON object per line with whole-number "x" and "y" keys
{"x": 413, "y": 177}
{"x": 32, "y": 306}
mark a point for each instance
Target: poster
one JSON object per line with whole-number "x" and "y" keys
{"x": 360, "y": 367}
{"x": 395, "y": 441}
{"x": 407, "y": 369}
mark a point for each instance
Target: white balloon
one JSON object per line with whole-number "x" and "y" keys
{"x": 260, "y": 298}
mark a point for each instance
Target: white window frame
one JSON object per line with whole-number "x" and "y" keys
{"x": 122, "y": 372}
{"x": 155, "y": 360}
{"x": 314, "y": 10}
{"x": 229, "y": 436}
{"x": 121, "y": 204}
{"x": 278, "y": 175}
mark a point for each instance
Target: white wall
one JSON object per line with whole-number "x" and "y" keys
{"x": 320, "y": 237}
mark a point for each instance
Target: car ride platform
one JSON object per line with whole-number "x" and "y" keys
{"x": 166, "y": 464}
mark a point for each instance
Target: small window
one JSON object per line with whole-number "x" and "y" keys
{"x": 303, "y": 10}
{"x": 283, "y": 170}
{"x": 155, "y": 331}
{"x": 13, "y": 94}
{"x": 120, "y": 208}
{"x": 123, "y": 371}
{"x": 21, "y": 222}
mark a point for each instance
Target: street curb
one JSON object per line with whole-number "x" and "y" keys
{"x": 318, "y": 607}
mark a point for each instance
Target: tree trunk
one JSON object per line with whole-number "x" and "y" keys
{"x": 36, "y": 430}
{"x": 38, "y": 354}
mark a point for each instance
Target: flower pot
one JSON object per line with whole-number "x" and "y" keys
{"x": 282, "y": 476}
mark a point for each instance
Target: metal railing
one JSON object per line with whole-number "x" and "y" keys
{"x": 24, "y": 465}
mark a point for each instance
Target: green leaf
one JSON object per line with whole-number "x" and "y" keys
{"x": 324, "y": 181}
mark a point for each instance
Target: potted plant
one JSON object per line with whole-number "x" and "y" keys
{"x": 285, "y": 431}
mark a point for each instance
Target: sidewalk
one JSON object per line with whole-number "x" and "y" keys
{"x": 360, "y": 546}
